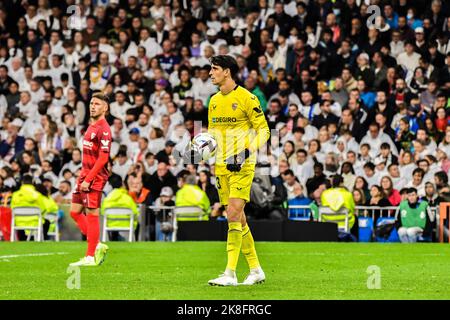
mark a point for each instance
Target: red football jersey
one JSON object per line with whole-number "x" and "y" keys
{"x": 96, "y": 139}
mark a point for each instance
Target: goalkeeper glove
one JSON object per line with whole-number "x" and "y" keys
{"x": 235, "y": 162}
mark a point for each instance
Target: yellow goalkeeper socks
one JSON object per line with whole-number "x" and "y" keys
{"x": 234, "y": 243}
{"x": 248, "y": 248}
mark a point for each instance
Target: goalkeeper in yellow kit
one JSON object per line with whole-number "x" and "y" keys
{"x": 238, "y": 124}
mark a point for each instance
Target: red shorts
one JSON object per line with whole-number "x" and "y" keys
{"x": 91, "y": 199}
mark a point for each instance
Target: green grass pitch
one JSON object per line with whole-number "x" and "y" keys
{"x": 181, "y": 270}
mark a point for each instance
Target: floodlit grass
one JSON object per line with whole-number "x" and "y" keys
{"x": 156, "y": 270}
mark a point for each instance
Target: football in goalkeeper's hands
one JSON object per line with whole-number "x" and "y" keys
{"x": 205, "y": 144}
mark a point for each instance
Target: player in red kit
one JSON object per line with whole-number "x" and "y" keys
{"x": 87, "y": 196}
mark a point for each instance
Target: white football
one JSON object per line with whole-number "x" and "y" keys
{"x": 205, "y": 144}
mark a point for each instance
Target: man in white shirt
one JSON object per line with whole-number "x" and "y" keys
{"x": 374, "y": 138}
{"x": 27, "y": 107}
{"x": 304, "y": 167}
{"x": 16, "y": 71}
{"x": 152, "y": 48}
{"x": 36, "y": 91}
{"x": 212, "y": 41}
{"x": 120, "y": 107}
{"x": 409, "y": 59}
{"x": 57, "y": 69}
{"x": 397, "y": 46}
{"x": 122, "y": 165}
{"x": 203, "y": 88}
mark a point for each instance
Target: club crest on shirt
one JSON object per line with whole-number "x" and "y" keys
{"x": 92, "y": 136}
{"x": 234, "y": 106}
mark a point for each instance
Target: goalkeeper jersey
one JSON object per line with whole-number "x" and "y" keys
{"x": 237, "y": 122}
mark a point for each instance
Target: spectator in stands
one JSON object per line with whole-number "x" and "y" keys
{"x": 204, "y": 182}
{"x": 414, "y": 218}
{"x": 299, "y": 199}
{"x": 191, "y": 195}
{"x": 431, "y": 195}
{"x": 319, "y": 178}
{"x": 390, "y": 193}
{"x": 156, "y": 69}
{"x": 359, "y": 197}
{"x": 27, "y": 196}
{"x": 336, "y": 198}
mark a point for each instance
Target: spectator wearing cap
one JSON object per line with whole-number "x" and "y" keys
{"x": 211, "y": 40}
{"x": 166, "y": 199}
{"x": 156, "y": 98}
{"x": 236, "y": 44}
{"x": 364, "y": 72}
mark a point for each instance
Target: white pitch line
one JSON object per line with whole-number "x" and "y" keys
{"x": 33, "y": 255}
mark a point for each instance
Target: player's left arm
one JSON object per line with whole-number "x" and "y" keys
{"x": 104, "y": 139}
{"x": 258, "y": 122}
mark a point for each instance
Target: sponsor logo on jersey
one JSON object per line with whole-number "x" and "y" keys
{"x": 234, "y": 106}
{"x": 223, "y": 119}
{"x": 105, "y": 144}
{"x": 88, "y": 143}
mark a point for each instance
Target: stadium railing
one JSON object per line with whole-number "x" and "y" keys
{"x": 296, "y": 212}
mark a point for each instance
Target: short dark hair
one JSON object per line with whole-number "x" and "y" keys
{"x": 115, "y": 181}
{"x": 226, "y": 62}
{"x": 337, "y": 180}
{"x": 412, "y": 190}
{"x": 27, "y": 179}
{"x": 441, "y": 175}
{"x": 288, "y": 172}
{"x": 101, "y": 96}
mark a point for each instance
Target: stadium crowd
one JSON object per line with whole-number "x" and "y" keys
{"x": 367, "y": 102}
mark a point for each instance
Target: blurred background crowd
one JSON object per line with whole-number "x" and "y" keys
{"x": 350, "y": 94}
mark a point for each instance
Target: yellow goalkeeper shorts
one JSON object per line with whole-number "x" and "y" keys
{"x": 234, "y": 185}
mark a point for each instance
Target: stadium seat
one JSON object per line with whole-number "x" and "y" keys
{"x": 299, "y": 213}
{"x": 53, "y": 230}
{"x": 328, "y": 212}
{"x": 365, "y": 233}
{"x": 117, "y": 215}
{"x": 189, "y": 213}
{"x": 32, "y": 227}
{"x": 186, "y": 213}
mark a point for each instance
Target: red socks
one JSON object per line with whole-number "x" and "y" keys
{"x": 81, "y": 221}
{"x": 93, "y": 233}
